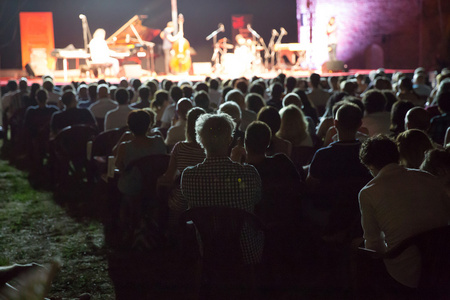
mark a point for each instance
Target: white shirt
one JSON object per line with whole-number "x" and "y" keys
{"x": 117, "y": 118}
{"x": 100, "y": 107}
{"x": 176, "y": 133}
{"x": 397, "y": 204}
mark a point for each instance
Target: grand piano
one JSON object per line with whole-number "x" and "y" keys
{"x": 131, "y": 44}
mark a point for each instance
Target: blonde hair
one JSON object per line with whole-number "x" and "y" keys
{"x": 293, "y": 126}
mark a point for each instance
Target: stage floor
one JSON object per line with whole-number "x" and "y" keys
{"x": 74, "y": 75}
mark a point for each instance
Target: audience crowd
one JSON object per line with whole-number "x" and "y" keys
{"x": 346, "y": 162}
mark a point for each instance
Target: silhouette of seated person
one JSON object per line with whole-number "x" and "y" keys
{"x": 218, "y": 181}
{"x": 439, "y": 124}
{"x": 337, "y": 163}
{"x": 37, "y": 123}
{"x": 71, "y": 115}
{"x": 117, "y": 117}
{"x": 132, "y": 147}
{"x": 271, "y": 117}
{"x": 144, "y": 93}
{"x": 280, "y": 180}
{"x": 412, "y": 145}
{"x": 177, "y": 132}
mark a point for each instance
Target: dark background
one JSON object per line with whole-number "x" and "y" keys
{"x": 201, "y": 18}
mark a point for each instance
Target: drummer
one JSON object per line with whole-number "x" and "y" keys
{"x": 243, "y": 52}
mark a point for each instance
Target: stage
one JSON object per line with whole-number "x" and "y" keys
{"x": 74, "y": 75}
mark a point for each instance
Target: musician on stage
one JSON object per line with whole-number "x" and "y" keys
{"x": 168, "y": 38}
{"x": 332, "y": 38}
{"x": 100, "y": 53}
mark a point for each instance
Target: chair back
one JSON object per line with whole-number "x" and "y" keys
{"x": 71, "y": 141}
{"x": 220, "y": 230}
{"x": 105, "y": 141}
{"x": 149, "y": 169}
{"x": 434, "y": 249}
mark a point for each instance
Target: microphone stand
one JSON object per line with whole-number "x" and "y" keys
{"x": 282, "y": 33}
{"x": 86, "y": 33}
{"x": 215, "y": 56}
{"x": 270, "y": 50}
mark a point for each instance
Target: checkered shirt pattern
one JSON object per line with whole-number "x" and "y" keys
{"x": 221, "y": 182}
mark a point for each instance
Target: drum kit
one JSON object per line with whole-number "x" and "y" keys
{"x": 246, "y": 59}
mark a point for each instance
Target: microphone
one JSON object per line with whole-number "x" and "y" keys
{"x": 81, "y": 16}
{"x": 283, "y": 31}
{"x": 253, "y": 32}
{"x": 274, "y": 32}
{"x": 221, "y": 27}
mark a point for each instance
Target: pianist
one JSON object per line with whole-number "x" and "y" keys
{"x": 100, "y": 53}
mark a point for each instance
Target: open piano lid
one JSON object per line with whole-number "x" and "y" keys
{"x": 120, "y": 36}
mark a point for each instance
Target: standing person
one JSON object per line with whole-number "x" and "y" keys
{"x": 168, "y": 38}
{"x": 332, "y": 38}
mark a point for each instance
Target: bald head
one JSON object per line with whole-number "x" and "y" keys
{"x": 417, "y": 118}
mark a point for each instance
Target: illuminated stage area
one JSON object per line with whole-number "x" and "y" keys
{"x": 298, "y": 37}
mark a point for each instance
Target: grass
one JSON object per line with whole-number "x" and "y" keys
{"x": 34, "y": 228}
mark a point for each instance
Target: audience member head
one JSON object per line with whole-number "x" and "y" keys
{"x": 182, "y": 108}
{"x": 257, "y": 138}
{"x": 271, "y": 117}
{"x": 82, "y": 91}
{"x": 144, "y": 93}
{"x": 291, "y": 83}
{"x": 256, "y": 88}
{"x": 11, "y": 85}
{"x": 292, "y": 98}
{"x": 443, "y": 101}
{"x": 161, "y": 99}
{"x": 69, "y": 99}
{"x": 242, "y": 85}
{"x": 23, "y": 84}
{"x": 398, "y": 113}
{"x": 153, "y": 86}
{"x": 412, "y": 145}
{"x": 201, "y": 99}
{"x": 232, "y": 109}
{"x": 214, "y": 84}
{"x": 192, "y": 117}
{"x": 201, "y": 86}
{"x": 350, "y": 87}
{"x": 176, "y": 93}
{"x": 136, "y": 83}
{"x": 276, "y": 90}
{"x": 306, "y": 103}
{"x": 139, "y": 122}
{"x": 333, "y": 82}
{"x": 374, "y": 101}
{"x": 383, "y": 83}
{"x": 417, "y": 118}
{"x": 437, "y": 162}
{"x": 294, "y": 126}
{"x": 236, "y": 96}
{"x": 167, "y": 84}
{"x": 314, "y": 80}
{"x": 335, "y": 98}
{"x": 92, "y": 92}
{"x": 41, "y": 97}
{"x": 123, "y": 83}
{"x": 377, "y": 152}
{"x": 348, "y": 119}
{"x": 254, "y": 102}
{"x": 122, "y": 96}
{"x": 102, "y": 91}
{"x": 188, "y": 91}
{"x": 214, "y": 133}
{"x": 48, "y": 85}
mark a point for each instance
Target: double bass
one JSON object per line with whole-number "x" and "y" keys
{"x": 181, "y": 60}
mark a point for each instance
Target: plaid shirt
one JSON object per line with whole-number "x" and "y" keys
{"x": 220, "y": 182}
